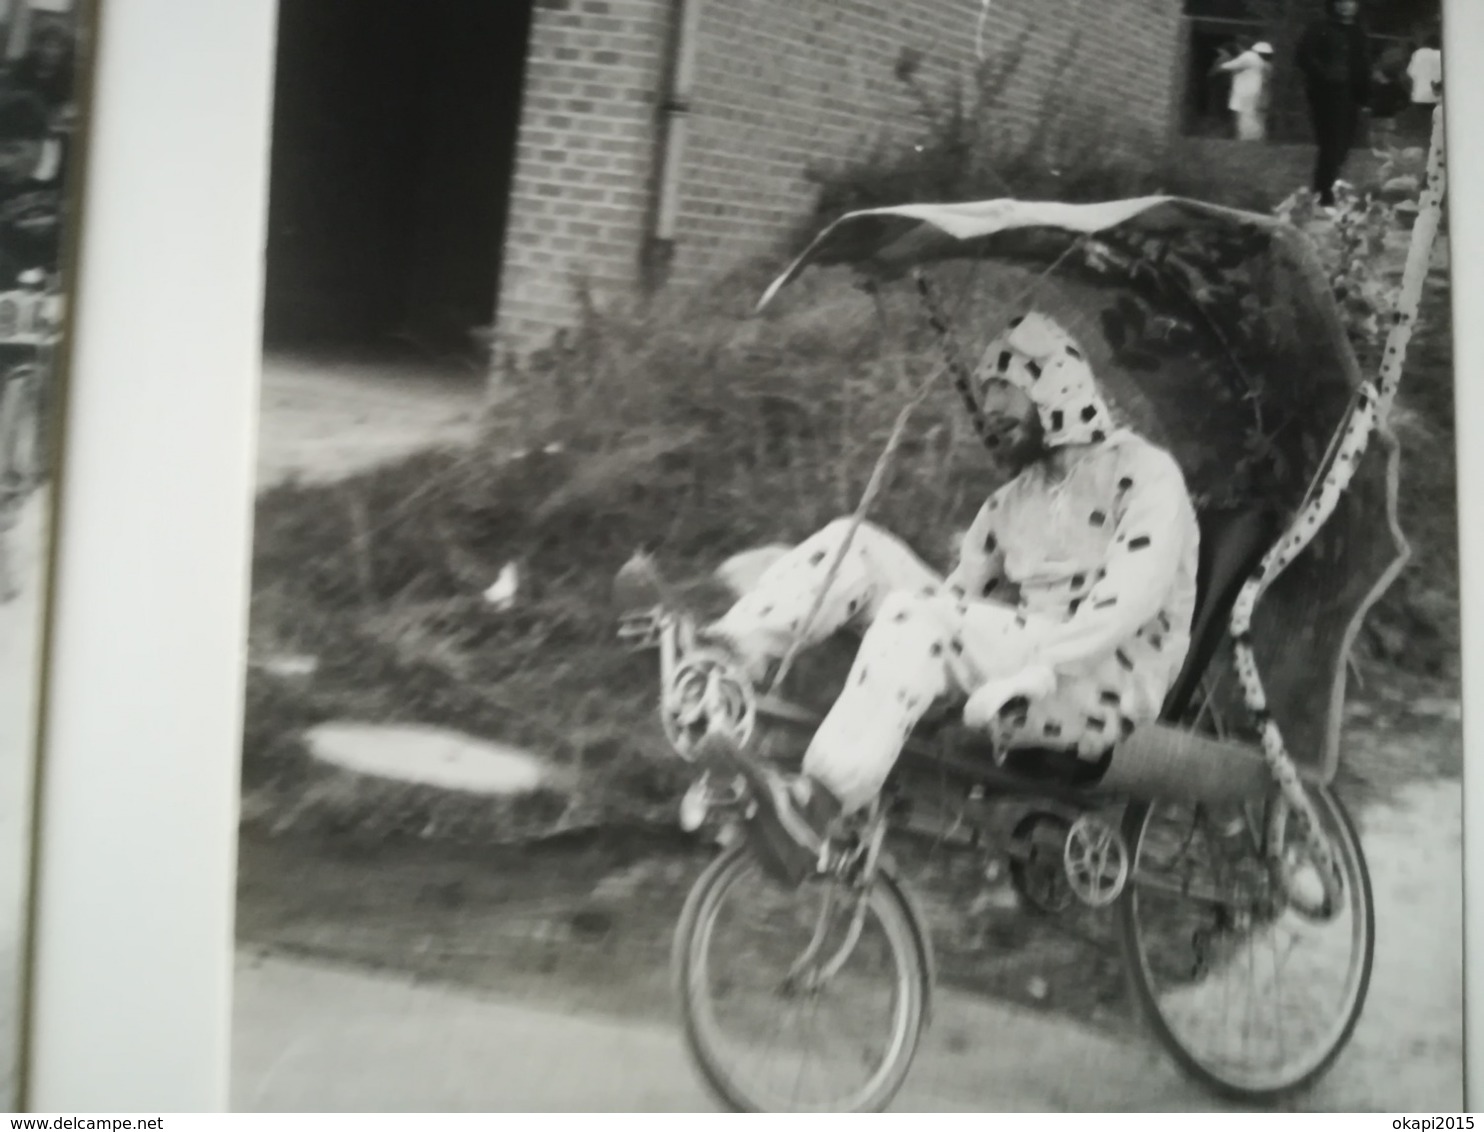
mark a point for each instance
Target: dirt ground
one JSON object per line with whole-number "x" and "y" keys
{"x": 326, "y": 417}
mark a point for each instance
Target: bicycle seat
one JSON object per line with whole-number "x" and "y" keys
{"x": 1233, "y": 541}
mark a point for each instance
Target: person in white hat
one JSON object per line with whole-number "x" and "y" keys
{"x": 1425, "y": 76}
{"x": 1250, "y": 73}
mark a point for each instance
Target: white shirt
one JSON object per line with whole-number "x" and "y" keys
{"x": 1426, "y": 72}
{"x": 1249, "y": 72}
{"x": 1108, "y": 557}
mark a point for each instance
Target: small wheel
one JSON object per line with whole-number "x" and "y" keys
{"x": 1254, "y": 1000}
{"x": 769, "y": 1040}
{"x": 1096, "y": 861}
{"x": 1037, "y": 869}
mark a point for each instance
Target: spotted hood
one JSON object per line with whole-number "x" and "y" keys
{"x": 1041, "y": 359}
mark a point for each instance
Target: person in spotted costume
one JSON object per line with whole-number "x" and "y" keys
{"x": 1063, "y": 625}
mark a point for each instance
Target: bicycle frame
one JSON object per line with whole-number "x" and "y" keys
{"x": 964, "y": 781}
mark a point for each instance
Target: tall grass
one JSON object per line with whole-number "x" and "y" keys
{"x": 969, "y": 145}
{"x": 686, "y": 428}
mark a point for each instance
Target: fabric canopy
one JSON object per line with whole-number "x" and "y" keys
{"x": 1253, "y": 300}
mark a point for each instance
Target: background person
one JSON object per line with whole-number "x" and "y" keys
{"x": 1251, "y": 73}
{"x": 1425, "y": 76}
{"x": 1334, "y": 57}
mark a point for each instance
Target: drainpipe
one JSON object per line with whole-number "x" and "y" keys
{"x": 674, "y": 109}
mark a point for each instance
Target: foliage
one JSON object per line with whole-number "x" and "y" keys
{"x": 1350, "y": 238}
{"x": 1201, "y": 285}
{"x": 968, "y": 145}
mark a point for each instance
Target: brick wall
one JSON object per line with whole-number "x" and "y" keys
{"x": 783, "y": 84}
{"x": 779, "y": 85}
{"x": 580, "y": 191}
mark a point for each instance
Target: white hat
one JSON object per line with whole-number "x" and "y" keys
{"x": 1263, "y": 48}
{"x": 1037, "y": 356}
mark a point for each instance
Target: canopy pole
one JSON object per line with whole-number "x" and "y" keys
{"x": 962, "y": 376}
{"x": 1414, "y": 275}
{"x": 1370, "y": 411}
{"x": 883, "y": 462}
{"x": 868, "y": 497}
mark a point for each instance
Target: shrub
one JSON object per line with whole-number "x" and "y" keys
{"x": 970, "y": 148}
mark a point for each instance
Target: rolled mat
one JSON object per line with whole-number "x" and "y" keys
{"x": 1160, "y": 762}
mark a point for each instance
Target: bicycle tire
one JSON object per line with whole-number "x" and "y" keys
{"x": 893, "y": 909}
{"x": 1135, "y": 824}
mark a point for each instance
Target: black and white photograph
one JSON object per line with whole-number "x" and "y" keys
{"x": 42, "y": 48}
{"x": 846, "y": 555}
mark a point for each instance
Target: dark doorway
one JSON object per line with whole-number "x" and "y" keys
{"x": 394, "y": 129}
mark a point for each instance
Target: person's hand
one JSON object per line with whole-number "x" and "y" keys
{"x": 1034, "y": 682}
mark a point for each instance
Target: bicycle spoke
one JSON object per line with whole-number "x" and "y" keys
{"x": 812, "y": 1047}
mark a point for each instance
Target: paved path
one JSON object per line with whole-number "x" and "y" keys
{"x": 314, "y": 1038}
{"x": 323, "y": 419}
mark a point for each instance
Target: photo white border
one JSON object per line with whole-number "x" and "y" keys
{"x": 136, "y": 888}
{"x": 1464, "y": 83}
{"x": 134, "y": 910}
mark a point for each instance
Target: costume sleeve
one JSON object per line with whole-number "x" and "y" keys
{"x": 1154, "y": 523}
{"x": 981, "y": 560}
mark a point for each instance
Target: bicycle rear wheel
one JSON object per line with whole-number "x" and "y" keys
{"x": 1253, "y": 999}
{"x": 762, "y": 1037}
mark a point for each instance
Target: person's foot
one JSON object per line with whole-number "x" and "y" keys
{"x": 790, "y": 830}
{"x": 637, "y": 587}
{"x": 756, "y": 671}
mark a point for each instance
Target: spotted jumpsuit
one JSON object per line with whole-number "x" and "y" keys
{"x": 1090, "y": 574}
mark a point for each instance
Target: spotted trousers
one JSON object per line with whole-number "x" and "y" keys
{"x": 921, "y": 643}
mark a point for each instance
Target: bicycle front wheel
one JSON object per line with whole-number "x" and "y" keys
{"x": 768, "y": 1037}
